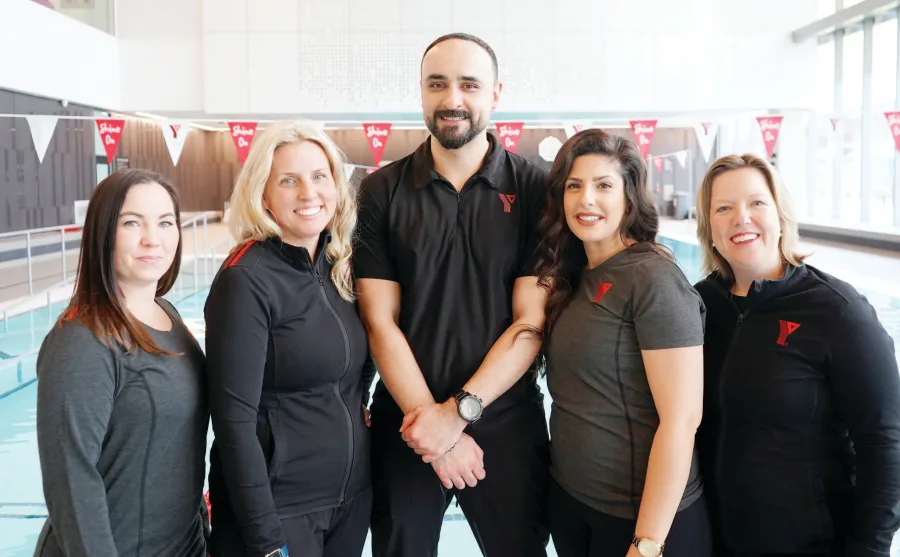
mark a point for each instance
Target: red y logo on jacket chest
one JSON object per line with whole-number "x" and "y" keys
{"x": 507, "y": 200}
{"x": 787, "y": 327}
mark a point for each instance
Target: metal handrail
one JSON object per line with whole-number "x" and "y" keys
{"x": 192, "y": 222}
{"x": 18, "y": 362}
{"x": 48, "y": 293}
{"x": 208, "y": 253}
{"x": 45, "y": 230}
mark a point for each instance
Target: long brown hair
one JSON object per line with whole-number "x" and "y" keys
{"x": 790, "y": 235}
{"x": 96, "y": 300}
{"x": 562, "y": 255}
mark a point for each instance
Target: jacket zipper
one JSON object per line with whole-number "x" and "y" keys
{"x": 720, "y": 438}
{"x": 337, "y": 388}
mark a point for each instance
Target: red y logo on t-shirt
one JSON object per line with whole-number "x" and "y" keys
{"x": 602, "y": 289}
{"x": 507, "y": 200}
{"x": 787, "y": 327}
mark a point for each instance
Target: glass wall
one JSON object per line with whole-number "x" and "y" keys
{"x": 884, "y": 85}
{"x": 827, "y": 130}
{"x": 850, "y": 128}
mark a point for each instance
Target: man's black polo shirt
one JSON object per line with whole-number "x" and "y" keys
{"x": 456, "y": 257}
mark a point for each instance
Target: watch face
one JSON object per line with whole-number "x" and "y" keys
{"x": 469, "y": 408}
{"x": 648, "y": 548}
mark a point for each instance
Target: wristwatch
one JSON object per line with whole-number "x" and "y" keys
{"x": 280, "y": 552}
{"x": 647, "y": 547}
{"x": 469, "y": 406}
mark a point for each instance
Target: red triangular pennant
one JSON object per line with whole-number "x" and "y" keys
{"x": 769, "y": 126}
{"x": 110, "y": 135}
{"x": 509, "y": 134}
{"x": 893, "y": 119}
{"x": 377, "y": 135}
{"x": 643, "y": 130}
{"x": 242, "y": 133}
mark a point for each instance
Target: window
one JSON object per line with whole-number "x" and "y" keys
{"x": 850, "y": 149}
{"x": 827, "y": 134}
{"x": 884, "y": 77}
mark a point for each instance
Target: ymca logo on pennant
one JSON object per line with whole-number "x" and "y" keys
{"x": 508, "y": 200}
{"x": 786, "y": 328}
{"x": 602, "y": 289}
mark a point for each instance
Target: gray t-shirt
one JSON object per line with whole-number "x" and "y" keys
{"x": 603, "y": 417}
{"x": 122, "y": 444}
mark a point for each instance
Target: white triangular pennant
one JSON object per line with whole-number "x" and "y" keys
{"x": 348, "y": 169}
{"x": 706, "y": 137}
{"x": 682, "y": 157}
{"x": 175, "y": 133}
{"x": 42, "y": 128}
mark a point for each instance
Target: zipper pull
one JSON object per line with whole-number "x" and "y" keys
{"x": 319, "y": 276}
{"x": 740, "y": 319}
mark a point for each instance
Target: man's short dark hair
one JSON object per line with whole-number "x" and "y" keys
{"x": 472, "y": 39}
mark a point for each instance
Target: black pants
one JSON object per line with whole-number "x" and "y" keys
{"x": 506, "y": 510}
{"x": 781, "y": 554}
{"x": 580, "y": 531}
{"x": 330, "y": 533}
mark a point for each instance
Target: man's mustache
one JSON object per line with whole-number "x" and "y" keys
{"x": 451, "y": 114}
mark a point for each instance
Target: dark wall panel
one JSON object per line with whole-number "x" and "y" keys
{"x": 33, "y": 194}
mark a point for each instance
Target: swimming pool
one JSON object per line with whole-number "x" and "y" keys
{"x": 22, "y": 510}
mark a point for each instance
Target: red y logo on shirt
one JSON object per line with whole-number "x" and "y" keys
{"x": 787, "y": 327}
{"x": 602, "y": 289}
{"x": 507, "y": 200}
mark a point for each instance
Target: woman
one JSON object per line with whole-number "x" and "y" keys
{"x": 624, "y": 330}
{"x": 289, "y": 372}
{"x": 121, "y": 408}
{"x": 801, "y": 435}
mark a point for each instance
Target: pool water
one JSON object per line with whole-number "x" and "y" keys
{"x": 22, "y": 510}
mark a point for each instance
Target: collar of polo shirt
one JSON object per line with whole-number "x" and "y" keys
{"x": 491, "y": 171}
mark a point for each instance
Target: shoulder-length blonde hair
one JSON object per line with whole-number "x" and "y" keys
{"x": 248, "y": 220}
{"x": 790, "y": 236}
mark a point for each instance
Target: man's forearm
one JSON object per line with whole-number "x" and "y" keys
{"x": 398, "y": 368}
{"x": 506, "y": 363}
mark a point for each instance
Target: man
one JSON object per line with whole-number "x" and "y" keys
{"x": 444, "y": 261}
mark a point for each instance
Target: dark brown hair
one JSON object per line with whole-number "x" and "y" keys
{"x": 96, "y": 300}
{"x": 562, "y": 255}
{"x": 465, "y": 37}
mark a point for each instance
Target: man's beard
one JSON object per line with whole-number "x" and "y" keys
{"x": 449, "y": 138}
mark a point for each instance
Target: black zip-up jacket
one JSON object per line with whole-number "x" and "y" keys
{"x": 289, "y": 373}
{"x": 800, "y": 441}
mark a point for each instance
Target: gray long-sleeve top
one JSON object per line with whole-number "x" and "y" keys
{"x": 122, "y": 441}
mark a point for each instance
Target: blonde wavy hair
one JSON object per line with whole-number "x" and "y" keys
{"x": 790, "y": 235}
{"x": 248, "y": 220}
